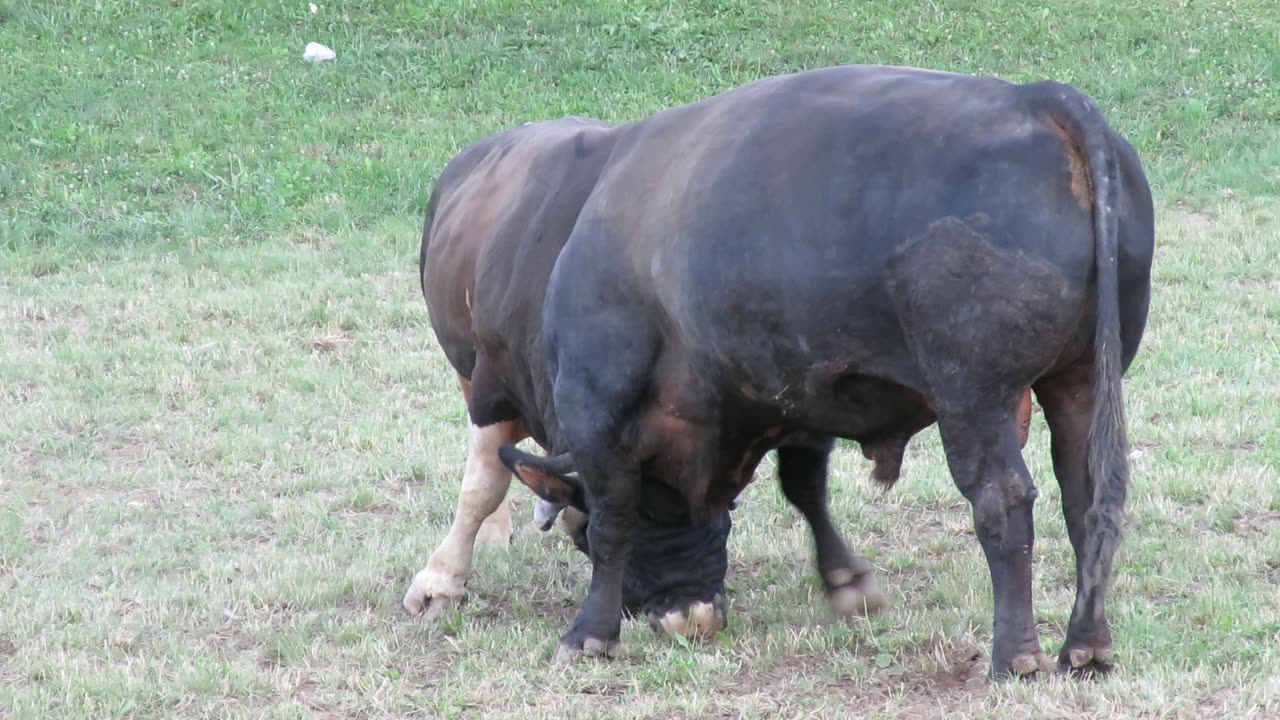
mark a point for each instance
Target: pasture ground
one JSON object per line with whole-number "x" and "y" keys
{"x": 228, "y": 439}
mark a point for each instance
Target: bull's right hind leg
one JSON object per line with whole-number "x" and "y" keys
{"x": 481, "y": 503}
{"x": 1068, "y": 405}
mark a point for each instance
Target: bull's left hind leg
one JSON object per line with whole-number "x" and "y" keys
{"x": 848, "y": 577}
{"x": 1067, "y": 400}
{"x": 983, "y": 322}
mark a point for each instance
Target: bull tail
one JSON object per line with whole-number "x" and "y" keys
{"x": 426, "y": 237}
{"x": 1108, "y": 443}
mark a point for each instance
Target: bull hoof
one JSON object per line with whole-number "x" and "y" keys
{"x": 569, "y": 653}
{"x": 699, "y": 619}
{"x": 1028, "y": 665}
{"x": 1084, "y": 661}
{"x": 595, "y": 647}
{"x": 853, "y": 595}
{"x": 432, "y": 593}
{"x": 566, "y": 655}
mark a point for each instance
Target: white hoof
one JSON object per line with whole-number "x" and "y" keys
{"x": 861, "y": 600}
{"x": 432, "y": 593}
{"x": 700, "y": 620}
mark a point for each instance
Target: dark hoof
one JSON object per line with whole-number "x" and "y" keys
{"x": 568, "y": 653}
{"x": 853, "y": 595}
{"x": 1028, "y": 665}
{"x": 696, "y": 619}
{"x": 1084, "y": 661}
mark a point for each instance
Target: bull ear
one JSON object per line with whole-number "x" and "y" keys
{"x": 553, "y": 479}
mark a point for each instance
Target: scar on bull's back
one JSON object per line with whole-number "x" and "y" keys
{"x": 1080, "y": 184}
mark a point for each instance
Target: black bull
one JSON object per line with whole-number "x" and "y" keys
{"x": 853, "y": 252}
{"x": 501, "y": 213}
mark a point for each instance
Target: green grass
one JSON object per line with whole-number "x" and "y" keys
{"x": 228, "y": 440}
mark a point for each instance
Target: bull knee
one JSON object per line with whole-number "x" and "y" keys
{"x": 480, "y": 486}
{"x": 1020, "y": 492}
{"x": 605, "y": 539}
{"x": 482, "y": 495}
{"x": 996, "y": 504}
{"x": 484, "y": 473}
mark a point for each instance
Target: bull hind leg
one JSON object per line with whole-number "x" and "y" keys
{"x": 496, "y": 530}
{"x": 1068, "y": 401}
{"x": 482, "y": 497}
{"x": 982, "y": 324}
{"x": 848, "y": 578}
{"x": 986, "y": 464}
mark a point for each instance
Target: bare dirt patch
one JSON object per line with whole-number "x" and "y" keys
{"x": 901, "y": 691}
{"x": 1256, "y": 523}
{"x": 1195, "y": 220}
{"x": 331, "y": 341}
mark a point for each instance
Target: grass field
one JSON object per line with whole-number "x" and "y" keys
{"x": 228, "y": 439}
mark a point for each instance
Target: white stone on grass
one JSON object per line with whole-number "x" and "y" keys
{"x": 316, "y": 52}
